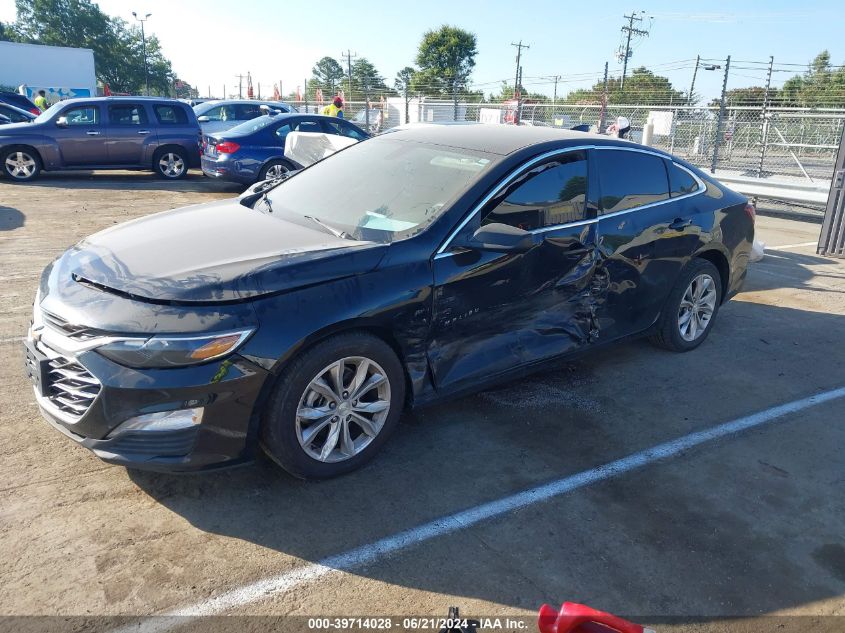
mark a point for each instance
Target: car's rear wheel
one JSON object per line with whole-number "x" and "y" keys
{"x": 334, "y": 406}
{"x": 690, "y": 309}
{"x": 171, "y": 163}
{"x": 273, "y": 170}
{"x": 20, "y": 163}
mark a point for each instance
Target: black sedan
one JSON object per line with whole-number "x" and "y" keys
{"x": 304, "y": 316}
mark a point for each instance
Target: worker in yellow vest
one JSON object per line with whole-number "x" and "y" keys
{"x": 335, "y": 108}
{"x": 41, "y": 100}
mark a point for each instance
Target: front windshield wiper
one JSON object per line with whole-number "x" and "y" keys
{"x": 332, "y": 230}
{"x": 260, "y": 193}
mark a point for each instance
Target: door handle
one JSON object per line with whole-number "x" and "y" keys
{"x": 143, "y": 131}
{"x": 679, "y": 224}
{"x": 92, "y": 133}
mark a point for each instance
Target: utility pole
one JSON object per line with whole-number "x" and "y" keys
{"x": 692, "y": 85}
{"x": 144, "y": 50}
{"x": 519, "y": 97}
{"x": 348, "y": 57}
{"x": 554, "y": 96}
{"x": 603, "y": 112}
{"x": 240, "y": 86}
{"x": 630, "y": 31}
{"x": 517, "y": 92}
{"x": 721, "y": 118}
{"x": 764, "y": 123}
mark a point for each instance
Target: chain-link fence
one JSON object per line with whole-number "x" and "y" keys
{"x": 751, "y": 141}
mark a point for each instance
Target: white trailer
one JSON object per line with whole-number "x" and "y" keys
{"x": 63, "y": 73}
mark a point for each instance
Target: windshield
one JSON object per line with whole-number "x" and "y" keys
{"x": 381, "y": 189}
{"x": 48, "y": 113}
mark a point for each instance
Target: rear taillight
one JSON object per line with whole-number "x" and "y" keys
{"x": 751, "y": 210}
{"x": 35, "y": 111}
{"x": 227, "y": 147}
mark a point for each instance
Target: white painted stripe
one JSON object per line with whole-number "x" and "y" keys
{"x": 786, "y": 246}
{"x": 373, "y": 552}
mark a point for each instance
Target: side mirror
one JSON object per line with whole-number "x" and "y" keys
{"x": 203, "y": 119}
{"x": 61, "y": 121}
{"x": 500, "y": 238}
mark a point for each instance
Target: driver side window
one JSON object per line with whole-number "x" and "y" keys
{"x": 85, "y": 115}
{"x": 552, "y": 193}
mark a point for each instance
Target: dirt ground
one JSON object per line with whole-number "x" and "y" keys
{"x": 750, "y": 525}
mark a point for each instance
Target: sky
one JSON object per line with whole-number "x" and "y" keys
{"x": 211, "y": 42}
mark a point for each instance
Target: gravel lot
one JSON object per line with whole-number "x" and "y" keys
{"x": 748, "y": 525}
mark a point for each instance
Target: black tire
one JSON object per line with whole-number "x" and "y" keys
{"x": 170, "y": 163}
{"x": 284, "y": 165}
{"x": 278, "y": 435}
{"x": 22, "y": 156}
{"x": 667, "y": 332}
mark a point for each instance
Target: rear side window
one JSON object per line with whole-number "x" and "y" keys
{"x": 128, "y": 114}
{"x": 308, "y": 126}
{"x": 344, "y": 129}
{"x": 630, "y": 179}
{"x": 551, "y": 194}
{"x": 170, "y": 115}
{"x": 681, "y": 182}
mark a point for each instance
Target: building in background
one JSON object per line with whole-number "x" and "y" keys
{"x": 63, "y": 73}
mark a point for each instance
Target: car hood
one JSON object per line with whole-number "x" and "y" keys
{"x": 27, "y": 126}
{"x": 213, "y": 253}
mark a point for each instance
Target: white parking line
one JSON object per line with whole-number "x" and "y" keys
{"x": 373, "y": 552}
{"x": 785, "y": 246}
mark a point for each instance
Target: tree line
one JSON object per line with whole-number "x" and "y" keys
{"x": 117, "y": 45}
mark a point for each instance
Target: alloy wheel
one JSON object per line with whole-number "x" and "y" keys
{"x": 276, "y": 171}
{"x": 343, "y": 409}
{"x": 697, "y": 307}
{"x": 171, "y": 165}
{"x": 20, "y": 165}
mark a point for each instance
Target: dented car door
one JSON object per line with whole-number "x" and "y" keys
{"x": 496, "y": 311}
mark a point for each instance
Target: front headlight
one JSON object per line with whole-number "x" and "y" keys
{"x": 173, "y": 351}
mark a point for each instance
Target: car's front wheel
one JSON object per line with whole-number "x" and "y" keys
{"x": 690, "y": 309}
{"x": 171, "y": 163}
{"x": 20, "y": 163}
{"x": 334, "y": 406}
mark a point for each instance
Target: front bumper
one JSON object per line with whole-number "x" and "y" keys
{"x": 227, "y": 391}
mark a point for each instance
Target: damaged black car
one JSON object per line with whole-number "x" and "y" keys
{"x": 304, "y": 316}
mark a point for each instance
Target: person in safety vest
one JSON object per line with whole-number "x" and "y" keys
{"x": 335, "y": 108}
{"x": 41, "y": 100}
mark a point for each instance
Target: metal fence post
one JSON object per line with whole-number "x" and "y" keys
{"x": 764, "y": 125}
{"x": 717, "y": 138}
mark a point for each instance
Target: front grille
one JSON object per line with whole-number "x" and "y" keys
{"x": 70, "y": 387}
{"x": 75, "y": 332}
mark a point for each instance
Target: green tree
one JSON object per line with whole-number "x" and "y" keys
{"x": 404, "y": 85}
{"x": 366, "y": 81}
{"x": 118, "y": 56}
{"x": 641, "y": 87}
{"x": 327, "y": 75}
{"x": 821, "y": 86}
{"x": 750, "y": 96}
{"x": 446, "y": 58}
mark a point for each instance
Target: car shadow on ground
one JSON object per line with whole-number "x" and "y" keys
{"x": 11, "y": 219}
{"x": 789, "y": 269}
{"x": 194, "y": 182}
{"x": 689, "y": 532}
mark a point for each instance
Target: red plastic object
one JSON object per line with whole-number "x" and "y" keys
{"x": 579, "y": 618}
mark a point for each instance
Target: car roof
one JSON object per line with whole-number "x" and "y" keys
{"x": 217, "y": 102}
{"x": 122, "y": 100}
{"x": 492, "y": 139}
